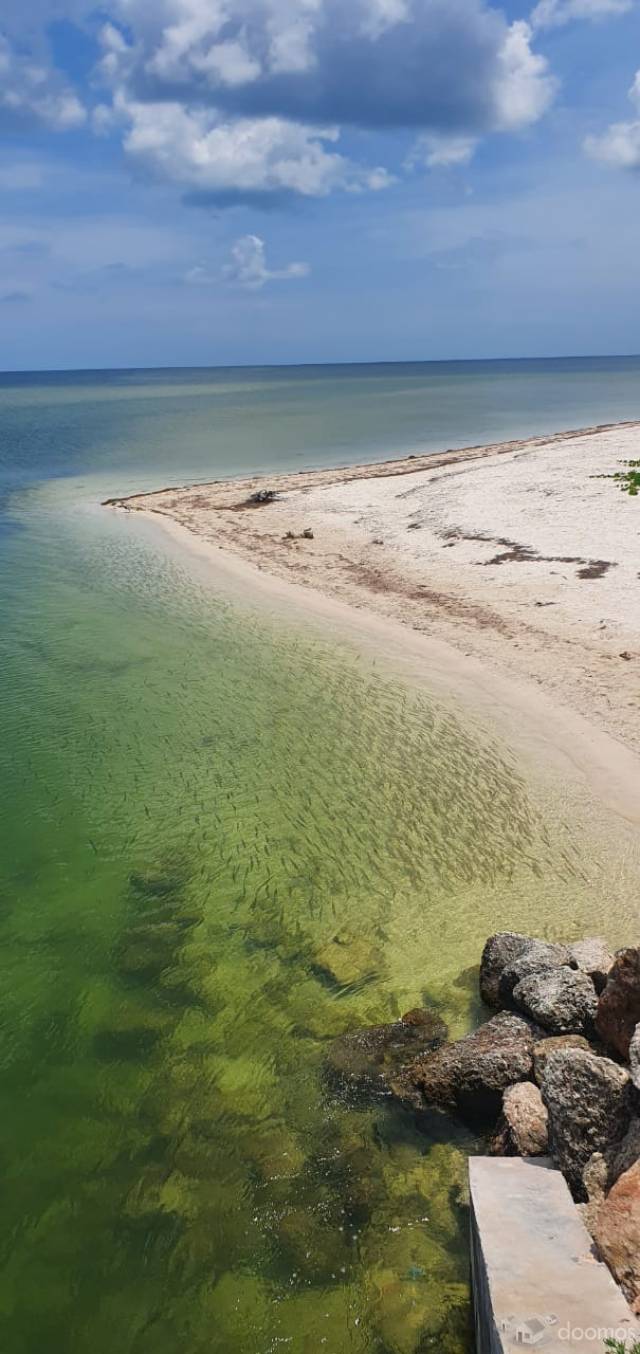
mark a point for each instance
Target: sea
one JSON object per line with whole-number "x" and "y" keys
{"x": 226, "y": 840}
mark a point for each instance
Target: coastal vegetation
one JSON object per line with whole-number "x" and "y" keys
{"x": 628, "y": 480}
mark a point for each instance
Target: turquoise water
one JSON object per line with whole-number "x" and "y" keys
{"x": 223, "y": 841}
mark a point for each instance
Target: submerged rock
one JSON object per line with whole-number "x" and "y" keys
{"x": 469, "y": 1076}
{"x": 588, "y": 1100}
{"x": 523, "y": 1129}
{"x": 317, "y": 1251}
{"x": 619, "y": 1005}
{"x": 592, "y": 956}
{"x": 562, "y": 1000}
{"x": 617, "y": 1233}
{"x": 366, "y": 1060}
{"x": 347, "y": 960}
{"x": 505, "y": 949}
{"x": 546, "y": 1047}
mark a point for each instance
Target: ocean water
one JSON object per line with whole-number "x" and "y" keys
{"x": 225, "y": 840}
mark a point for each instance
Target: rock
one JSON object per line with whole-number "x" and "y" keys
{"x": 469, "y": 1076}
{"x": 628, "y": 1153}
{"x": 366, "y": 1060}
{"x": 562, "y": 1000}
{"x": 546, "y": 1047}
{"x": 347, "y": 960}
{"x": 500, "y": 952}
{"x": 588, "y": 1101}
{"x": 523, "y": 1127}
{"x": 619, "y": 1006}
{"x": 595, "y": 1179}
{"x": 592, "y": 956}
{"x": 634, "y": 1058}
{"x": 617, "y": 1233}
{"x": 538, "y": 958}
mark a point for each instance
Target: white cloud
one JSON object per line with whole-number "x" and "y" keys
{"x": 619, "y": 145}
{"x": 249, "y": 97}
{"x": 249, "y": 269}
{"x": 438, "y": 150}
{"x": 555, "y": 13}
{"x": 524, "y": 88}
{"x": 242, "y": 156}
{"x": 28, "y": 92}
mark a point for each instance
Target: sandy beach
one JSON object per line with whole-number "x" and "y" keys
{"x": 516, "y": 555}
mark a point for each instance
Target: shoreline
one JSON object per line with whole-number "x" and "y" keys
{"x": 576, "y": 708}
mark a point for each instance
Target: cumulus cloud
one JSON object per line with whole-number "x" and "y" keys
{"x": 30, "y": 93}
{"x": 555, "y": 13}
{"x": 619, "y": 145}
{"x": 216, "y": 157}
{"x": 249, "y": 97}
{"x": 248, "y": 266}
{"x": 523, "y": 89}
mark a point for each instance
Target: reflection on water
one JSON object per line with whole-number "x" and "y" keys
{"x": 223, "y": 843}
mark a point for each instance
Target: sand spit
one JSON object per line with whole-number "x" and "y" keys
{"x": 515, "y": 554}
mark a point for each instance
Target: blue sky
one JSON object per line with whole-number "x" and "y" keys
{"x": 237, "y": 181}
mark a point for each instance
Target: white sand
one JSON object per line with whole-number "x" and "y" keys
{"x": 514, "y": 555}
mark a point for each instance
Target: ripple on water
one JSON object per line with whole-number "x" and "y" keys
{"x": 223, "y": 844}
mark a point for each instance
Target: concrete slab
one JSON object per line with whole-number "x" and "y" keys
{"x": 537, "y": 1283}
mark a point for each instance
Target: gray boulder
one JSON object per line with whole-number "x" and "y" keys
{"x": 523, "y": 1129}
{"x": 546, "y": 1047}
{"x": 589, "y": 1104}
{"x": 634, "y": 1058}
{"x": 539, "y": 957}
{"x": 594, "y": 957}
{"x": 502, "y": 950}
{"x": 469, "y": 1077}
{"x": 562, "y": 1000}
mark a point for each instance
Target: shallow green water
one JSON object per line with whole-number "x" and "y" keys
{"x": 199, "y": 805}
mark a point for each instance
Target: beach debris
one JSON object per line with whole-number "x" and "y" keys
{"x": 306, "y": 535}
{"x": 262, "y": 497}
{"x": 377, "y": 540}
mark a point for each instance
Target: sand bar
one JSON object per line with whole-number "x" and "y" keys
{"x": 514, "y": 556}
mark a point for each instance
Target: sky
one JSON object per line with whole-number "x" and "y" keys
{"x": 221, "y": 182}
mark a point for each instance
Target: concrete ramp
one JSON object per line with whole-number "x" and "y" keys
{"x": 536, "y": 1281}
